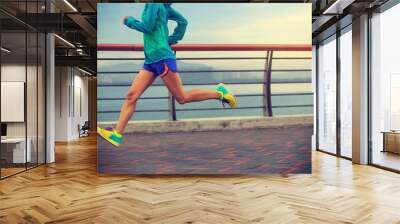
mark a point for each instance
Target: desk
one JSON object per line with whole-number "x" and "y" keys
{"x": 18, "y": 155}
{"x": 391, "y": 141}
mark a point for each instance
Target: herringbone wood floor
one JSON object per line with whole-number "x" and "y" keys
{"x": 70, "y": 191}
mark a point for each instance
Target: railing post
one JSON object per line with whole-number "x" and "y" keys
{"x": 171, "y": 103}
{"x": 267, "y": 85}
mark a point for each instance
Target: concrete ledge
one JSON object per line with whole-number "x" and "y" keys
{"x": 232, "y": 123}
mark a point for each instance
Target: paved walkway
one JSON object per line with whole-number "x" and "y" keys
{"x": 258, "y": 151}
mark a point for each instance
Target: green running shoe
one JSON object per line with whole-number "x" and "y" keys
{"x": 111, "y": 136}
{"x": 226, "y": 96}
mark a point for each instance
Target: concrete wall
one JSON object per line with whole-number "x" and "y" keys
{"x": 360, "y": 90}
{"x": 238, "y": 123}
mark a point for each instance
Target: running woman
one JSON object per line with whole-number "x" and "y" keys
{"x": 160, "y": 61}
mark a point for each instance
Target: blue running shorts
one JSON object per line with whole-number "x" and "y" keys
{"x": 162, "y": 67}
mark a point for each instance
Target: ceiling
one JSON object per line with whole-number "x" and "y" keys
{"x": 331, "y": 15}
{"x": 76, "y": 21}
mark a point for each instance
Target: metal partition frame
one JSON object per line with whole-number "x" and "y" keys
{"x": 28, "y": 29}
{"x": 338, "y": 73}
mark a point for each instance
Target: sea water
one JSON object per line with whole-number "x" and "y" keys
{"x": 113, "y": 86}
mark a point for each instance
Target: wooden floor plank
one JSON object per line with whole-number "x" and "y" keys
{"x": 71, "y": 191}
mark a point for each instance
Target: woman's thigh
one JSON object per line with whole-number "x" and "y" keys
{"x": 174, "y": 84}
{"x": 142, "y": 81}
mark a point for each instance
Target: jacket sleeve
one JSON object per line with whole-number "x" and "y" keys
{"x": 148, "y": 20}
{"x": 180, "y": 29}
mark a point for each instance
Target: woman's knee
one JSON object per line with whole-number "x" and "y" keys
{"x": 132, "y": 96}
{"x": 182, "y": 99}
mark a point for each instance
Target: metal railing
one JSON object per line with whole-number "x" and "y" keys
{"x": 267, "y": 81}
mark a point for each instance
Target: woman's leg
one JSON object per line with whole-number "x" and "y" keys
{"x": 142, "y": 81}
{"x": 174, "y": 84}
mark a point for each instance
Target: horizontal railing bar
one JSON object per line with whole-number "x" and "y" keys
{"x": 212, "y": 108}
{"x": 120, "y": 59}
{"x": 136, "y": 111}
{"x": 141, "y": 98}
{"x": 194, "y": 109}
{"x": 255, "y": 107}
{"x": 211, "y": 47}
{"x": 166, "y": 97}
{"x": 292, "y": 94}
{"x": 240, "y": 95}
{"x": 223, "y": 108}
{"x": 212, "y": 83}
{"x": 292, "y": 58}
{"x": 289, "y": 106}
{"x": 210, "y": 58}
{"x": 208, "y": 71}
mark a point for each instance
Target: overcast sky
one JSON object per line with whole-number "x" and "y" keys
{"x": 260, "y": 23}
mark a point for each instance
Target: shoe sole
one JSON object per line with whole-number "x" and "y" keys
{"x": 234, "y": 98}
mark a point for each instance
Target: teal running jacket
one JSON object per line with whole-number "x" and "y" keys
{"x": 154, "y": 26}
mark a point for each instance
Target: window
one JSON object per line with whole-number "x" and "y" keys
{"x": 346, "y": 92}
{"x": 385, "y": 89}
{"x": 327, "y": 95}
{"x": 22, "y": 72}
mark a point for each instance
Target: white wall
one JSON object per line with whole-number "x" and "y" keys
{"x": 14, "y": 73}
{"x": 70, "y": 83}
{"x": 82, "y": 82}
{"x": 61, "y": 103}
{"x": 33, "y": 127}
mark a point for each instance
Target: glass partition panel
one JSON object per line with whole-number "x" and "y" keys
{"x": 22, "y": 87}
{"x": 346, "y": 93}
{"x": 327, "y": 95}
{"x": 14, "y": 153}
{"x": 31, "y": 98}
